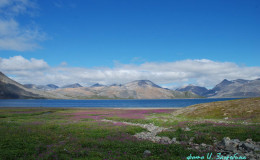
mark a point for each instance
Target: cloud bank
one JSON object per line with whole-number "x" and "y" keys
{"x": 202, "y": 72}
{"x": 15, "y": 36}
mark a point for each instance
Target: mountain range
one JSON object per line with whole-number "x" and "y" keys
{"x": 228, "y": 89}
{"x": 140, "y": 89}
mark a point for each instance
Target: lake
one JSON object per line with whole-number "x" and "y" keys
{"x": 151, "y": 103}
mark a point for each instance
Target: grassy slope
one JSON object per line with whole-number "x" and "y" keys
{"x": 236, "y": 110}
{"x": 207, "y": 121}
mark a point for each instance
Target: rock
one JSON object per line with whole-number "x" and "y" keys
{"x": 203, "y": 144}
{"x": 156, "y": 139}
{"x": 174, "y": 140}
{"x": 186, "y": 129}
{"x": 248, "y": 146}
{"x": 147, "y": 153}
{"x": 236, "y": 140}
{"x": 165, "y": 140}
{"x": 197, "y": 147}
{"x": 226, "y": 141}
{"x": 257, "y": 149}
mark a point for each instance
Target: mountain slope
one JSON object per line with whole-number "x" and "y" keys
{"x": 201, "y": 91}
{"x": 75, "y": 85}
{"x": 10, "y": 89}
{"x": 41, "y": 87}
{"x": 236, "y": 88}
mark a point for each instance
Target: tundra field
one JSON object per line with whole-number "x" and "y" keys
{"x": 226, "y": 128}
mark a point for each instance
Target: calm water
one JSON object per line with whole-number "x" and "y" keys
{"x": 156, "y": 103}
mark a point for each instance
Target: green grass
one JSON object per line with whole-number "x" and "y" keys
{"x": 208, "y": 132}
{"x": 240, "y": 110}
{"x": 49, "y": 134}
{"x": 54, "y": 133}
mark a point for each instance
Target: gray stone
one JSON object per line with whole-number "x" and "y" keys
{"x": 197, "y": 147}
{"x": 249, "y": 140}
{"x": 203, "y": 144}
{"x": 174, "y": 140}
{"x": 191, "y": 139}
{"x": 257, "y": 149}
{"x": 226, "y": 141}
{"x": 248, "y": 146}
{"x": 147, "y": 153}
{"x": 165, "y": 140}
{"x": 236, "y": 140}
{"x": 186, "y": 129}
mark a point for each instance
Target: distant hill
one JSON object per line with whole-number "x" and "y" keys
{"x": 41, "y": 87}
{"x": 10, "y": 89}
{"x": 97, "y": 85}
{"x": 202, "y": 91}
{"x": 140, "y": 89}
{"x": 236, "y": 88}
{"x": 75, "y": 85}
{"x": 228, "y": 89}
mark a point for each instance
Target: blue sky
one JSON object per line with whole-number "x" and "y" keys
{"x": 106, "y": 34}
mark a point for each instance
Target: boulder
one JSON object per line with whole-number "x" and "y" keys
{"x": 147, "y": 153}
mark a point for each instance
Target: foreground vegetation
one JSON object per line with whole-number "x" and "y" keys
{"x": 63, "y": 133}
{"x": 54, "y": 134}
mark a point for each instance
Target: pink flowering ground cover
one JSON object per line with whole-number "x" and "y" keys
{"x": 98, "y": 114}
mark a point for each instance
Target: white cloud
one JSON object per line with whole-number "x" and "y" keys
{"x": 19, "y": 63}
{"x": 199, "y": 72}
{"x": 13, "y": 35}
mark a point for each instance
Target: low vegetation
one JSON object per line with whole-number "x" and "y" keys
{"x": 241, "y": 110}
{"x": 63, "y": 133}
{"x": 54, "y": 134}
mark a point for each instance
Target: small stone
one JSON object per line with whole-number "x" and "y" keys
{"x": 226, "y": 141}
{"x": 197, "y": 147}
{"x": 257, "y": 149}
{"x": 248, "y": 146}
{"x": 165, "y": 140}
{"x": 187, "y": 129}
{"x": 203, "y": 144}
{"x": 236, "y": 140}
{"x": 147, "y": 153}
{"x": 174, "y": 140}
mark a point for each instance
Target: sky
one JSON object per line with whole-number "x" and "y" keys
{"x": 170, "y": 42}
